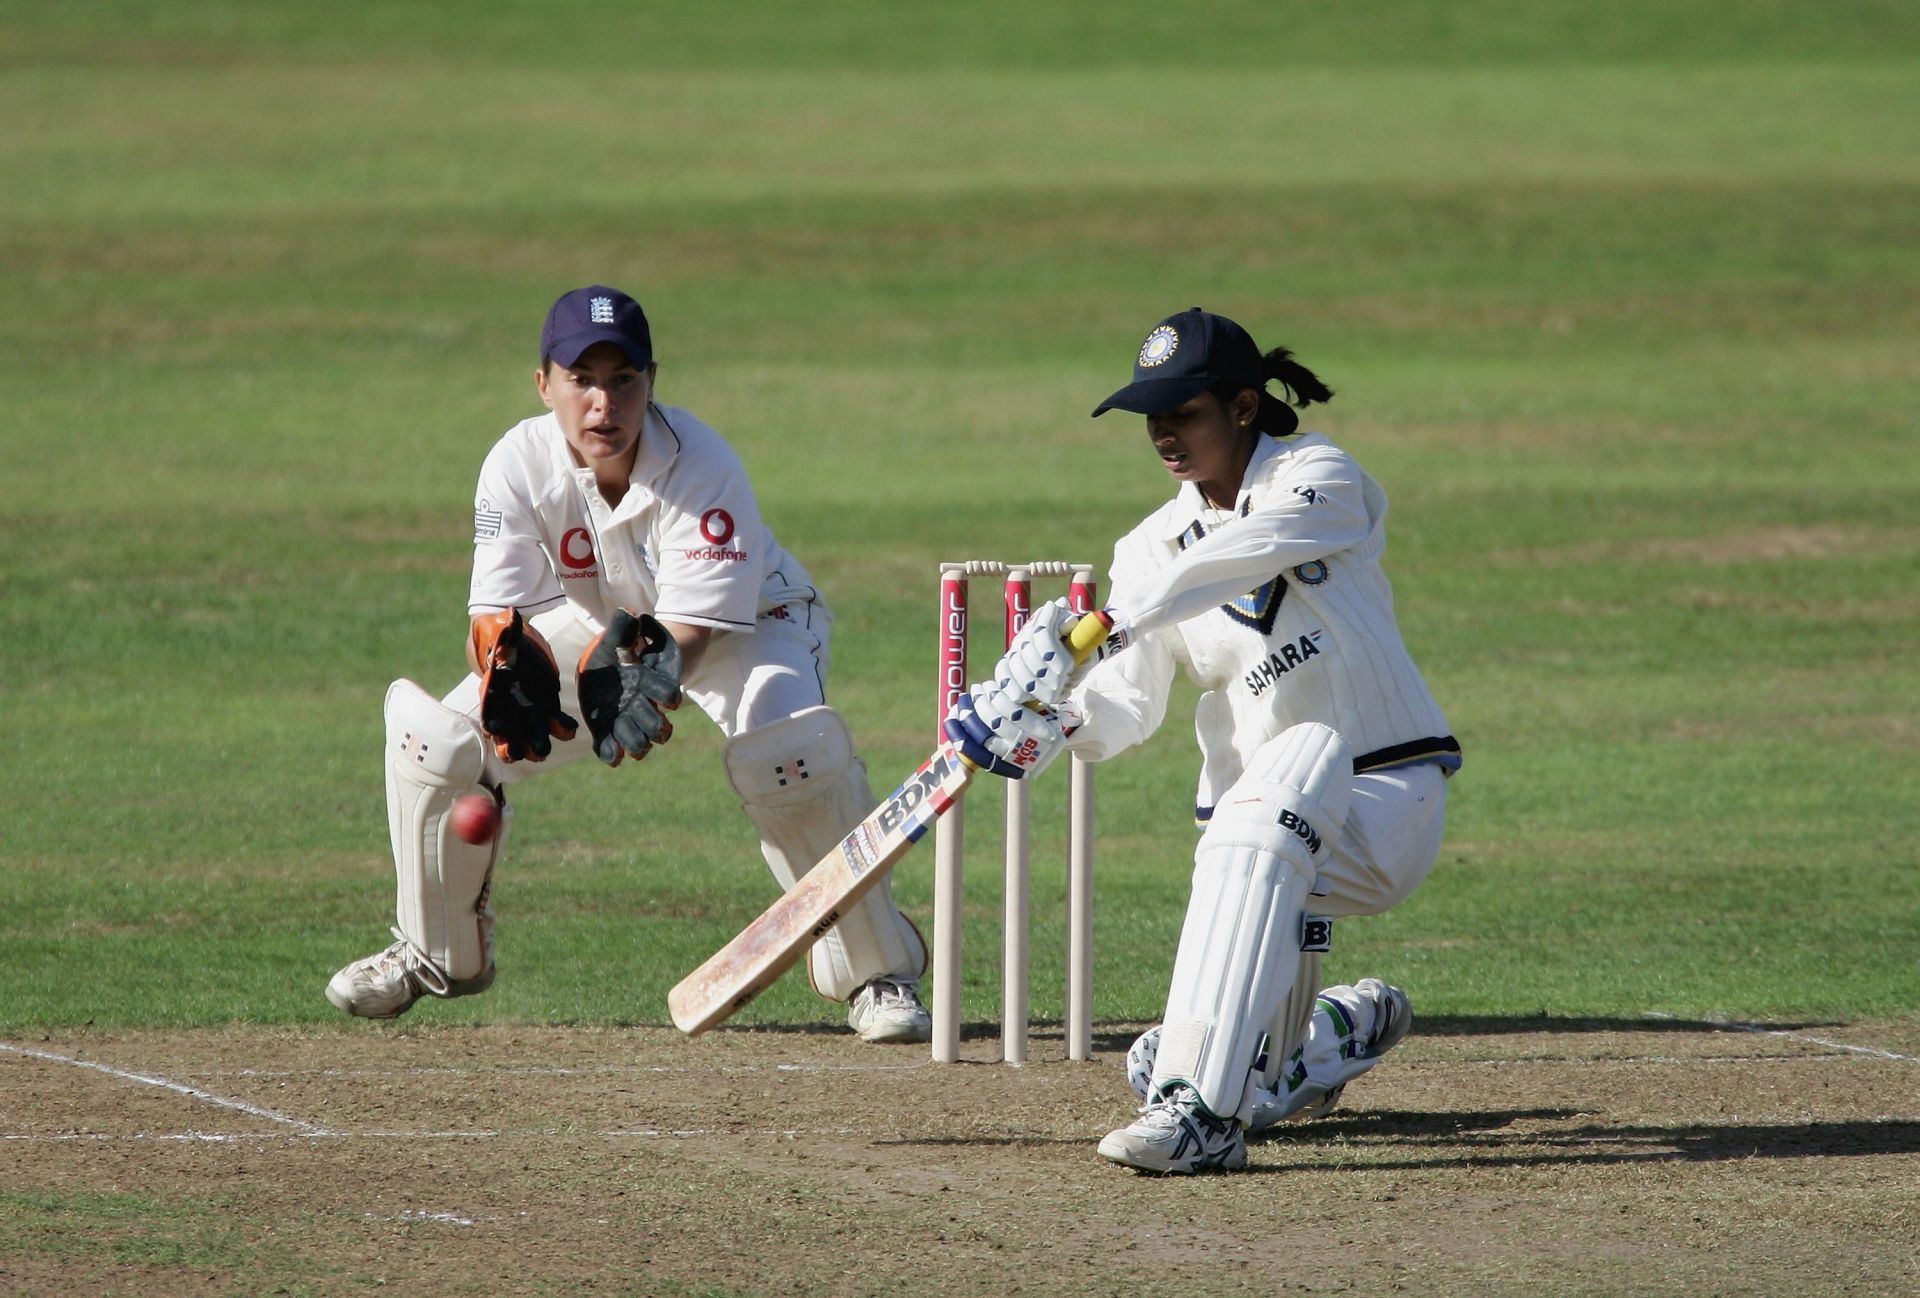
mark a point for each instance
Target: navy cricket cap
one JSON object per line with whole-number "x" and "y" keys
{"x": 596, "y": 314}
{"x": 1185, "y": 355}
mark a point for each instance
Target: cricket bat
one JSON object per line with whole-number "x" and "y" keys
{"x": 768, "y": 947}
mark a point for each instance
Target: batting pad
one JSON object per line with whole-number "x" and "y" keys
{"x": 435, "y": 756}
{"x": 1240, "y": 977}
{"x": 803, "y": 789}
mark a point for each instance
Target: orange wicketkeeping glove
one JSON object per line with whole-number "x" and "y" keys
{"x": 519, "y": 687}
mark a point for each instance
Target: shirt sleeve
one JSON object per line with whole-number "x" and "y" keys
{"x": 1123, "y": 700}
{"x": 710, "y": 541}
{"x": 510, "y": 567}
{"x": 1314, "y": 509}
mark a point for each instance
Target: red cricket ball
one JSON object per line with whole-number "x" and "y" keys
{"x": 476, "y": 818}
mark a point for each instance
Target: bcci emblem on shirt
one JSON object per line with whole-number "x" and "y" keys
{"x": 1258, "y": 608}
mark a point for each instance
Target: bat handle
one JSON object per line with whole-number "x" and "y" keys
{"x": 1088, "y": 634}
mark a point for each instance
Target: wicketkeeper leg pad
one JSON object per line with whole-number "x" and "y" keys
{"x": 803, "y": 789}
{"x": 1238, "y": 977}
{"x": 435, "y": 756}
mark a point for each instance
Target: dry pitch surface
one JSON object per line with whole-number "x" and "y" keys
{"x": 1665, "y": 1158}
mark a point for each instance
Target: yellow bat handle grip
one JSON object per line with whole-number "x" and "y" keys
{"x": 1088, "y": 634}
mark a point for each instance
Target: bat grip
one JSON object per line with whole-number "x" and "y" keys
{"x": 1088, "y": 634}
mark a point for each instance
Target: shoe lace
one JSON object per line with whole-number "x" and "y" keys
{"x": 414, "y": 961}
{"x": 1166, "y": 1110}
{"x": 1181, "y": 1104}
{"x": 889, "y": 994}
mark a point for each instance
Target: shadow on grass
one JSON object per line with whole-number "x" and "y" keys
{"x": 1412, "y": 1141}
{"x": 1112, "y": 1037}
{"x": 1458, "y": 1140}
{"x": 1495, "y": 1025}
{"x": 1109, "y": 1037}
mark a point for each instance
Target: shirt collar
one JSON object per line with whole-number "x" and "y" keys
{"x": 659, "y": 448}
{"x": 1189, "y": 504}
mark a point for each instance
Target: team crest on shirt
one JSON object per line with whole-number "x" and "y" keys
{"x": 1159, "y": 347}
{"x": 1259, "y": 608}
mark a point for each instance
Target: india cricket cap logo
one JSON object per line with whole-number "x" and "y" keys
{"x": 1159, "y": 347}
{"x": 600, "y": 310}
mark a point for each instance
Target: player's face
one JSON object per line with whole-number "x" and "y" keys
{"x": 600, "y": 401}
{"x": 1207, "y": 442}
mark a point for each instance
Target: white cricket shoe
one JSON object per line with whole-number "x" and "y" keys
{"x": 385, "y": 985}
{"x": 1175, "y": 1133}
{"x": 889, "y": 1009}
{"x": 1392, "y": 1020}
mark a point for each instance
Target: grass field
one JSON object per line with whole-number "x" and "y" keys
{"x": 1622, "y": 304}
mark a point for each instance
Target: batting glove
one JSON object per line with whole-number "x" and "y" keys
{"x": 1010, "y": 742}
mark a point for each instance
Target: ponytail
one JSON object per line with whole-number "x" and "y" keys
{"x": 1303, "y": 387}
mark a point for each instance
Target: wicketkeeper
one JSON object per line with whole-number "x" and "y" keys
{"x": 1325, "y": 759}
{"x": 620, "y": 563}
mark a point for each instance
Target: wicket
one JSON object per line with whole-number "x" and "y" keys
{"x": 949, "y": 837}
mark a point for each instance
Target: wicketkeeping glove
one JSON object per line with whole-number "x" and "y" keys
{"x": 1013, "y": 742}
{"x": 519, "y": 687}
{"x": 627, "y": 675}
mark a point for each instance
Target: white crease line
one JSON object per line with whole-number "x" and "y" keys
{"x": 178, "y": 1088}
{"x": 1822, "y": 1041}
{"x": 1760, "y": 1030}
{"x": 420, "y": 1214}
{"x": 316, "y": 1133}
{"x": 558, "y": 1071}
{"x": 206, "y": 1137}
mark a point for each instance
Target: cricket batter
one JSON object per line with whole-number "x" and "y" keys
{"x": 1325, "y": 759}
{"x": 620, "y": 562}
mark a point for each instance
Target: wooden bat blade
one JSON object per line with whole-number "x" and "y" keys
{"x": 767, "y": 947}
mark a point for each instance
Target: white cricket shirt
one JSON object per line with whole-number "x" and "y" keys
{"x": 1278, "y": 608}
{"x": 686, "y": 542}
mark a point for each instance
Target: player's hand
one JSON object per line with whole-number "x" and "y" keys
{"x": 1038, "y": 665}
{"x": 519, "y": 687}
{"x": 1013, "y": 742}
{"x": 627, "y": 676}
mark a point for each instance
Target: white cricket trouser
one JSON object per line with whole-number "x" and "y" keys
{"x": 1387, "y": 844}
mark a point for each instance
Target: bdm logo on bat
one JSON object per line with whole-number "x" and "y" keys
{"x": 918, "y": 788}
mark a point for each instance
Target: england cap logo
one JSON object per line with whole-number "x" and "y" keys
{"x": 595, "y": 314}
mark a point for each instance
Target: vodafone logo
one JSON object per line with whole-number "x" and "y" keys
{"x": 717, "y": 526}
{"x": 576, "y": 548}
